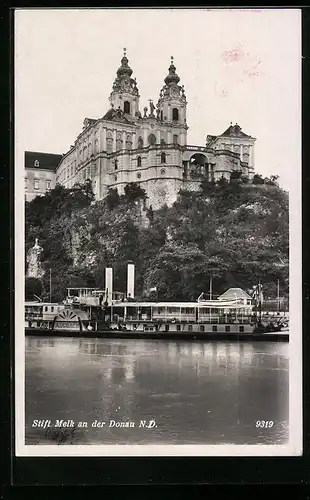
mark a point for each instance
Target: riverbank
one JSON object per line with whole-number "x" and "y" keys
{"x": 117, "y": 334}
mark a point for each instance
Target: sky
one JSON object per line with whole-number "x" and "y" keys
{"x": 236, "y": 66}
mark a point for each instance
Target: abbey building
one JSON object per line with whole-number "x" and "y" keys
{"x": 149, "y": 146}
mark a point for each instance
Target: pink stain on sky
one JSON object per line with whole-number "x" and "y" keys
{"x": 238, "y": 55}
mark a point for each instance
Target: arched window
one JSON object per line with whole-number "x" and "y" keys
{"x": 162, "y": 116}
{"x": 162, "y": 142}
{"x": 152, "y": 139}
{"x": 163, "y": 158}
{"x": 140, "y": 142}
{"x": 139, "y": 162}
{"x": 126, "y": 107}
{"x": 175, "y": 114}
{"x": 175, "y": 139}
{"x": 115, "y": 165}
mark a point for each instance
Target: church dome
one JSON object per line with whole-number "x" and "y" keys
{"x": 172, "y": 77}
{"x": 124, "y": 69}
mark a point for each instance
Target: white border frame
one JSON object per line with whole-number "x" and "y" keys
{"x": 294, "y": 446}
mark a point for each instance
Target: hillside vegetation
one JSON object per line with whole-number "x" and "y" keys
{"x": 236, "y": 232}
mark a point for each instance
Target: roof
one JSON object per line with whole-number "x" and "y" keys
{"x": 178, "y": 305}
{"x": 234, "y": 293}
{"x": 235, "y": 131}
{"x": 48, "y": 161}
{"x": 115, "y": 115}
{"x": 89, "y": 121}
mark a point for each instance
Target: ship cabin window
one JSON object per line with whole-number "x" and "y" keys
{"x": 214, "y": 328}
{"x": 190, "y": 328}
{"x": 178, "y": 328}
{"x": 166, "y": 328}
{"x": 148, "y": 328}
{"x": 139, "y": 161}
{"x": 45, "y": 308}
{"x": 52, "y": 309}
{"x": 227, "y": 328}
{"x": 163, "y": 158}
{"x": 175, "y": 114}
{"x": 202, "y": 328}
{"x": 126, "y": 107}
{"x": 189, "y": 310}
{"x": 241, "y": 329}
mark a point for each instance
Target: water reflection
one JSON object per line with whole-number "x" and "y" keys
{"x": 198, "y": 392}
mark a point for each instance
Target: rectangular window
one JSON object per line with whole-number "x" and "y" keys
{"x": 241, "y": 329}
{"x": 202, "y": 328}
{"x": 36, "y": 184}
{"x": 178, "y": 328}
{"x": 26, "y": 182}
{"x": 227, "y": 328}
{"x": 214, "y": 328}
{"x": 45, "y": 308}
{"x": 48, "y": 185}
{"x": 190, "y": 328}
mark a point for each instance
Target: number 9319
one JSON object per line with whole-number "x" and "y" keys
{"x": 264, "y": 424}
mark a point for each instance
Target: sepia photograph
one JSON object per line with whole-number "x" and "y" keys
{"x": 158, "y": 232}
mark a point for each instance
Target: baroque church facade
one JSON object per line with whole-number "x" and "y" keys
{"x": 150, "y": 147}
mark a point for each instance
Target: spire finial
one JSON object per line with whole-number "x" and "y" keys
{"x": 171, "y": 57}
{"x": 124, "y": 49}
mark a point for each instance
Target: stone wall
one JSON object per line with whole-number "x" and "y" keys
{"x": 161, "y": 192}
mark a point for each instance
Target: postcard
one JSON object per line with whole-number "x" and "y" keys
{"x": 158, "y": 304}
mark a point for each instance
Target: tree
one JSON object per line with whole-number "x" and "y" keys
{"x": 134, "y": 192}
{"x": 236, "y": 233}
{"x": 33, "y": 286}
{"x": 112, "y": 199}
{"x": 235, "y": 176}
{"x": 257, "y": 179}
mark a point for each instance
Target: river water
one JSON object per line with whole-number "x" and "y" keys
{"x": 196, "y": 392}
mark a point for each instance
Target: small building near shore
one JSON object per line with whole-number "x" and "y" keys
{"x": 236, "y": 293}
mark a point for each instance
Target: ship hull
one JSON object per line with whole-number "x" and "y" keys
{"x": 171, "y": 335}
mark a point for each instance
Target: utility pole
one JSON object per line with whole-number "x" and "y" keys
{"x": 50, "y": 285}
{"x": 260, "y": 300}
{"x": 211, "y": 287}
